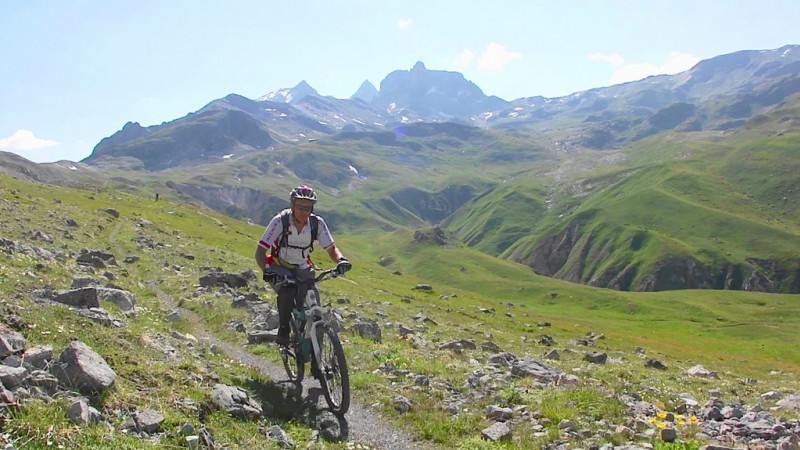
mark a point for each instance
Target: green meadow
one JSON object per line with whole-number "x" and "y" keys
{"x": 475, "y": 296}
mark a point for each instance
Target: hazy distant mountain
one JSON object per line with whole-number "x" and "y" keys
{"x": 720, "y": 93}
{"x": 717, "y": 94}
{"x": 290, "y": 95}
{"x": 432, "y": 94}
{"x": 366, "y": 92}
{"x": 206, "y": 136}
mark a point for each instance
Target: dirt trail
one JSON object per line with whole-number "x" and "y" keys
{"x": 360, "y": 425}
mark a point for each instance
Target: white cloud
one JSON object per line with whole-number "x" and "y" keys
{"x": 25, "y": 140}
{"x": 678, "y": 62}
{"x": 611, "y": 58}
{"x": 403, "y": 23}
{"x": 624, "y": 72}
{"x": 496, "y": 56}
{"x": 463, "y": 60}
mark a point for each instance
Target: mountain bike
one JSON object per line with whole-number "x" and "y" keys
{"x": 313, "y": 340}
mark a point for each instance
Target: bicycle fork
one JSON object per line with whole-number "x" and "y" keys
{"x": 313, "y": 322}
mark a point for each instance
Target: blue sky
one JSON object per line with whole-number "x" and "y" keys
{"x": 74, "y": 72}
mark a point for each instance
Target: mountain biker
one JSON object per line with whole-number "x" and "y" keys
{"x": 285, "y": 249}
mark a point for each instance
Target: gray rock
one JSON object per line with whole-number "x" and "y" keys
{"x": 596, "y": 357}
{"x": 329, "y": 426}
{"x": 541, "y": 372}
{"x": 43, "y": 380}
{"x": 8, "y": 399}
{"x": 110, "y": 211}
{"x": 700, "y": 371}
{"x": 78, "y": 298}
{"x": 81, "y": 413}
{"x": 669, "y": 435}
{"x": 553, "y": 355}
{"x": 260, "y": 336}
{"x": 82, "y": 282}
{"x": 404, "y": 330}
{"x": 459, "y": 344}
{"x": 402, "y": 404}
{"x": 504, "y": 359}
{"x": 82, "y": 368}
{"x": 101, "y": 316}
{"x": 235, "y": 401}
{"x": 368, "y": 330}
{"x": 10, "y": 341}
{"x": 193, "y": 441}
{"x": 148, "y": 420}
{"x": 123, "y": 300}
{"x": 655, "y": 364}
{"x": 789, "y": 403}
{"x": 227, "y": 279}
{"x": 495, "y": 412}
{"x": 489, "y": 346}
{"x": 12, "y": 361}
{"x": 96, "y": 258}
{"x": 497, "y": 432}
{"x": 276, "y": 433}
{"x": 12, "y": 377}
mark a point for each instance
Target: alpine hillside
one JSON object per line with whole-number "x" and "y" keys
{"x": 671, "y": 182}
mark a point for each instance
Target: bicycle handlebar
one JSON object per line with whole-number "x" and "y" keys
{"x": 289, "y": 280}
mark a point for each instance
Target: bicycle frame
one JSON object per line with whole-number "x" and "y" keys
{"x": 311, "y": 307}
{"x": 329, "y": 365}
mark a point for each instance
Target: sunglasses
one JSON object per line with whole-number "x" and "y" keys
{"x": 304, "y": 208}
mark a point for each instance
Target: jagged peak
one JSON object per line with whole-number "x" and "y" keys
{"x": 290, "y": 95}
{"x": 366, "y": 92}
{"x": 418, "y": 67}
{"x": 304, "y": 85}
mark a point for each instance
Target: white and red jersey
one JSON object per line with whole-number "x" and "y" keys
{"x": 293, "y": 253}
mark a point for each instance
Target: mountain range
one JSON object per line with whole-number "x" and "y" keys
{"x": 671, "y": 182}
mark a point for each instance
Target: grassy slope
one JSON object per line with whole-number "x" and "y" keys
{"x": 656, "y": 320}
{"x": 717, "y": 201}
{"x": 739, "y": 334}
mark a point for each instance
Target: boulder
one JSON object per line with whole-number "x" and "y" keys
{"x": 235, "y": 401}
{"x": 82, "y": 368}
{"x": 10, "y": 341}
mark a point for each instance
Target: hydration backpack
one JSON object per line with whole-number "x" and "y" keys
{"x": 313, "y": 222}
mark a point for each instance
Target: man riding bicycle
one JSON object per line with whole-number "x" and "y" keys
{"x": 285, "y": 250}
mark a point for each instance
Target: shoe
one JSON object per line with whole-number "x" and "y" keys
{"x": 283, "y": 338}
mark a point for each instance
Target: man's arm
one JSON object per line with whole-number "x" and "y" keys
{"x": 334, "y": 253}
{"x": 261, "y": 257}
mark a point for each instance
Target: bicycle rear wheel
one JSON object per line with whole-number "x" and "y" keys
{"x": 293, "y": 362}
{"x": 333, "y": 374}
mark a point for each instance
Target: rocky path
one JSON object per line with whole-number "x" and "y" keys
{"x": 360, "y": 425}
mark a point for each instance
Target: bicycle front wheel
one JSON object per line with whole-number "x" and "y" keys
{"x": 333, "y": 374}
{"x": 293, "y": 363}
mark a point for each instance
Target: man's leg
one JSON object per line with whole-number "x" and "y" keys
{"x": 285, "y": 306}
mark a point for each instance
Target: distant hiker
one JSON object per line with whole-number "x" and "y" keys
{"x": 156, "y": 196}
{"x": 285, "y": 249}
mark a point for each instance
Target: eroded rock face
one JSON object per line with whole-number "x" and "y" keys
{"x": 576, "y": 252}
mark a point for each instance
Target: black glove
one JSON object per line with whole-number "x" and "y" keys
{"x": 269, "y": 276}
{"x": 343, "y": 266}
